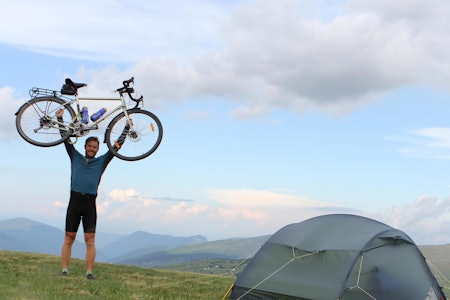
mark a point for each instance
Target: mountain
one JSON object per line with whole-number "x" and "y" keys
{"x": 235, "y": 248}
{"x": 141, "y": 242}
{"x": 22, "y": 234}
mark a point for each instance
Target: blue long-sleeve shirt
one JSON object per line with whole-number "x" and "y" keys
{"x": 86, "y": 173}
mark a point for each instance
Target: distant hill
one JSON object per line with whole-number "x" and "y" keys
{"x": 152, "y": 250}
{"x": 236, "y": 248}
{"x": 22, "y": 234}
{"x": 438, "y": 258}
{"x": 141, "y": 242}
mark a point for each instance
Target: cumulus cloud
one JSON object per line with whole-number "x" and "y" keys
{"x": 9, "y": 104}
{"x": 240, "y": 213}
{"x": 260, "y": 54}
{"x": 426, "y": 219}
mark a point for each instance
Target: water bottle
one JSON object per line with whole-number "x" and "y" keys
{"x": 84, "y": 115}
{"x": 98, "y": 114}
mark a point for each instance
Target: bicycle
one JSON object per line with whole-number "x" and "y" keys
{"x": 37, "y": 123}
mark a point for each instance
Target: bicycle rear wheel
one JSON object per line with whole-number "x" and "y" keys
{"x": 37, "y": 124}
{"x": 139, "y": 143}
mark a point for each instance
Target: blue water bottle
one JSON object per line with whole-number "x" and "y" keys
{"x": 84, "y": 115}
{"x": 98, "y": 114}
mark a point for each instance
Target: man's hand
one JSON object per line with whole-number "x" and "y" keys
{"x": 59, "y": 113}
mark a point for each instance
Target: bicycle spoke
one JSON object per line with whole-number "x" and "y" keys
{"x": 141, "y": 140}
{"x": 37, "y": 124}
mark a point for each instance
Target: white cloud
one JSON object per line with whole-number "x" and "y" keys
{"x": 261, "y": 54}
{"x": 112, "y": 31}
{"x": 248, "y": 213}
{"x": 9, "y": 106}
{"x": 123, "y": 195}
{"x": 59, "y": 204}
{"x": 426, "y": 219}
{"x": 433, "y": 142}
{"x": 251, "y": 199}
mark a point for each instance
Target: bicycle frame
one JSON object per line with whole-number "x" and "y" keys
{"x": 78, "y": 128}
{"x": 107, "y": 114}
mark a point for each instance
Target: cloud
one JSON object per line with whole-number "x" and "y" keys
{"x": 251, "y": 198}
{"x": 249, "y": 213}
{"x": 263, "y": 55}
{"x": 123, "y": 32}
{"x": 432, "y": 142}
{"x": 9, "y": 105}
{"x": 123, "y": 195}
{"x": 425, "y": 219}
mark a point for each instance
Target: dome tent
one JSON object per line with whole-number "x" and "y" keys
{"x": 337, "y": 257}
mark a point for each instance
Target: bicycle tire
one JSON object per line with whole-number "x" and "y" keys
{"x": 36, "y": 121}
{"x": 140, "y": 143}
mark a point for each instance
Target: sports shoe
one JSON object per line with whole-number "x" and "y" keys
{"x": 64, "y": 274}
{"x": 90, "y": 276}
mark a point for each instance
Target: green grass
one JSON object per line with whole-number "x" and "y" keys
{"x": 218, "y": 266}
{"x": 37, "y": 276}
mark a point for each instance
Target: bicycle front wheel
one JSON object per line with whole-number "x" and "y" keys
{"x": 141, "y": 141}
{"x": 37, "y": 124}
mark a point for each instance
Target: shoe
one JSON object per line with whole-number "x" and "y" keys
{"x": 64, "y": 274}
{"x": 90, "y": 276}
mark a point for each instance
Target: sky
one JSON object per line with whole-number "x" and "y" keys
{"x": 273, "y": 111}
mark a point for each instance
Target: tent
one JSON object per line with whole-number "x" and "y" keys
{"x": 339, "y": 256}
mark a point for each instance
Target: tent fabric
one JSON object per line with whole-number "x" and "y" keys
{"x": 337, "y": 257}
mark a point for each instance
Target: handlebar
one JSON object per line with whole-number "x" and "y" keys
{"x": 126, "y": 83}
{"x": 129, "y": 90}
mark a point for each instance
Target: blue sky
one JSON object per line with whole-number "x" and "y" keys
{"x": 273, "y": 112}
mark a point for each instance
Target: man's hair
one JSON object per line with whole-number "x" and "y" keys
{"x": 92, "y": 138}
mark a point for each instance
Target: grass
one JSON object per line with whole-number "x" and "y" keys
{"x": 37, "y": 276}
{"x": 33, "y": 276}
{"x": 218, "y": 266}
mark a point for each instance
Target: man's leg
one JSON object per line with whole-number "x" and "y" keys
{"x": 89, "y": 225}
{"x": 89, "y": 238}
{"x": 72, "y": 223}
{"x": 66, "y": 251}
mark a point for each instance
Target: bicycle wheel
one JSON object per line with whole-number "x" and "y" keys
{"x": 139, "y": 143}
{"x": 37, "y": 124}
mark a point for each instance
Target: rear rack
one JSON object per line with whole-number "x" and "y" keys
{"x": 36, "y": 92}
{"x": 40, "y": 92}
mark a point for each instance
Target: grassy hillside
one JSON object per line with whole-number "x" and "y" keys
{"x": 217, "y": 266}
{"x": 36, "y": 276}
{"x": 231, "y": 249}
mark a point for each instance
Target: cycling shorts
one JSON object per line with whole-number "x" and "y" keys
{"x": 81, "y": 208}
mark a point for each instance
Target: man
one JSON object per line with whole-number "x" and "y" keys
{"x": 86, "y": 172}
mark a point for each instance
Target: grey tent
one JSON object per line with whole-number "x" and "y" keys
{"x": 340, "y": 256}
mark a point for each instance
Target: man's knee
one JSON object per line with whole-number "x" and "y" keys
{"x": 89, "y": 238}
{"x": 70, "y": 238}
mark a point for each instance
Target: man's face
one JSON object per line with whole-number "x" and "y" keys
{"x": 91, "y": 149}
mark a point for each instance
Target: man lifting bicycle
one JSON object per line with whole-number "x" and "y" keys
{"x": 86, "y": 173}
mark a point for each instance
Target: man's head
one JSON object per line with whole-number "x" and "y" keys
{"x": 91, "y": 146}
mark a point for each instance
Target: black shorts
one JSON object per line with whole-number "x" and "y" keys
{"x": 81, "y": 208}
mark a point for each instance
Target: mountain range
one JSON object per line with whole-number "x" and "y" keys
{"x": 146, "y": 249}
{"x": 25, "y": 235}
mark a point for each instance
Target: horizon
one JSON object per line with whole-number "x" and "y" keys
{"x": 273, "y": 112}
{"x": 80, "y": 237}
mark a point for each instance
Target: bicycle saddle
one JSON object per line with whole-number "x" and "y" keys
{"x": 70, "y": 87}
{"x": 74, "y": 84}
